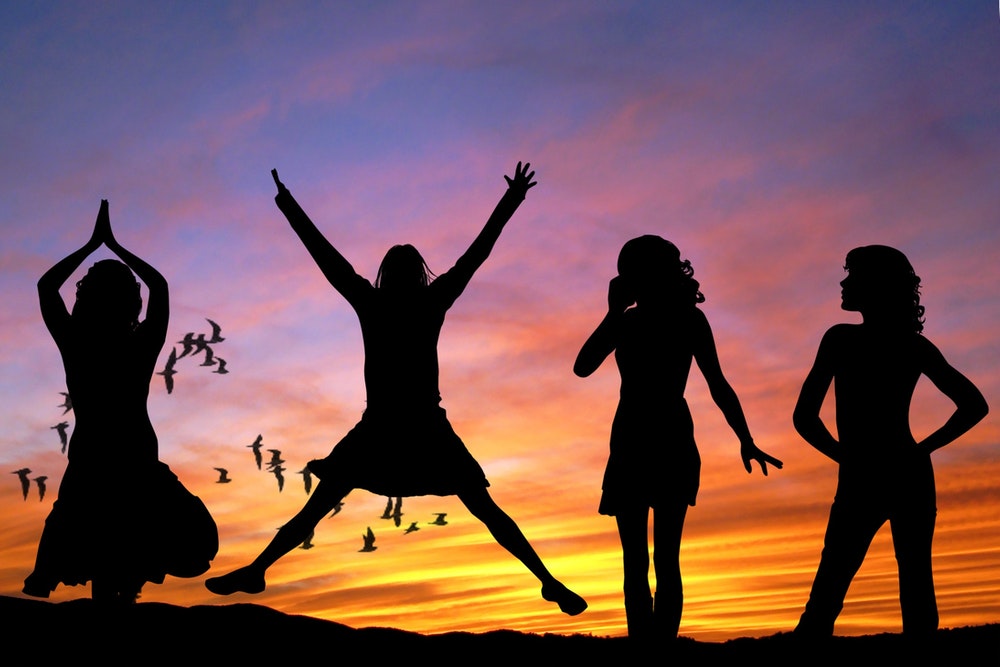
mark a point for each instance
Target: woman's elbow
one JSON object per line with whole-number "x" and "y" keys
{"x": 583, "y": 366}
{"x": 803, "y": 421}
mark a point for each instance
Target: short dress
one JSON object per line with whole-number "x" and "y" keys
{"x": 653, "y": 457}
{"x": 653, "y": 460}
{"x": 121, "y": 514}
{"x": 403, "y": 452}
{"x": 133, "y": 529}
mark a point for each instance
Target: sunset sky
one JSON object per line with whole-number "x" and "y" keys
{"x": 765, "y": 139}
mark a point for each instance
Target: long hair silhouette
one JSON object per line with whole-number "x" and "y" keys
{"x": 655, "y": 330}
{"x": 885, "y": 473}
{"x": 122, "y": 518}
{"x": 404, "y": 444}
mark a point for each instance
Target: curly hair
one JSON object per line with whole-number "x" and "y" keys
{"x": 887, "y": 273}
{"x": 108, "y": 294}
{"x": 651, "y": 262}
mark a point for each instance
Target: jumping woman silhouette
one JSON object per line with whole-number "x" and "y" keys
{"x": 122, "y": 517}
{"x": 885, "y": 474}
{"x": 404, "y": 444}
{"x": 655, "y": 329}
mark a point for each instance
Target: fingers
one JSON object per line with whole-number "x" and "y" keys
{"x": 522, "y": 177}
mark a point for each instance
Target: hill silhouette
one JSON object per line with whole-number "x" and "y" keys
{"x": 154, "y": 633}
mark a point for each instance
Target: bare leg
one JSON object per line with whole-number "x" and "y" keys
{"x": 250, "y": 579}
{"x": 668, "y": 524}
{"x": 632, "y": 530}
{"x": 509, "y": 536}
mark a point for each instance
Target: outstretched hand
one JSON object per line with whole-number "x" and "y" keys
{"x": 751, "y": 452}
{"x": 521, "y": 182}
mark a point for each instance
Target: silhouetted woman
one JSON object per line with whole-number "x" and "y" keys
{"x": 122, "y": 517}
{"x": 655, "y": 329}
{"x": 404, "y": 444}
{"x": 885, "y": 474}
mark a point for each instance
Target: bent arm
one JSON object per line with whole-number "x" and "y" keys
{"x": 54, "y": 311}
{"x": 158, "y": 303}
{"x": 335, "y": 267}
{"x": 806, "y": 417}
{"x": 603, "y": 341}
{"x": 725, "y": 396}
{"x": 598, "y": 346}
{"x": 970, "y": 405}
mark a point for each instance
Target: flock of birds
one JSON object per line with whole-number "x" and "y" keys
{"x": 392, "y": 511}
{"x": 192, "y": 345}
{"x": 393, "y": 506}
{"x": 22, "y": 475}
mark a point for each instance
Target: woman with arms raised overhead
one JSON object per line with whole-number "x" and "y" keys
{"x": 122, "y": 518}
{"x": 404, "y": 444}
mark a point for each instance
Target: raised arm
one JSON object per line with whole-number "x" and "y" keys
{"x": 806, "y": 418}
{"x": 517, "y": 187}
{"x": 725, "y": 397}
{"x": 338, "y": 271}
{"x": 54, "y": 312}
{"x": 970, "y": 405}
{"x": 603, "y": 341}
{"x": 158, "y": 302}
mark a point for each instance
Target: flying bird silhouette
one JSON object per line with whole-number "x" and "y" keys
{"x": 439, "y": 521}
{"x": 40, "y": 481}
{"x": 277, "y": 470}
{"x": 413, "y": 527}
{"x": 199, "y": 344}
{"x": 61, "y": 429}
{"x": 168, "y": 371}
{"x": 397, "y": 511}
{"x": 216, "y": 330}
{"x": 258, "y": 457}
{"x": 221, "y": 370}
{"x": 387, "y": 512}
{"x": 22, "y": 474}
{"x": 223, "y": 476}
{"x": 369, "y": 539}
{"x": 209, "y": 357}
{"x": 67, "y": 403}
{"x": 306, "y": 478}
{"x": 336, "y": 510}
{"x": 188, "y": 343}
{"x": 276, "y": 459}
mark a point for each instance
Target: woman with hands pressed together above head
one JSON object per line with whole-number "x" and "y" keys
{"x": 404, "y": 444}
{"x": 122, "y": 517}
{"x": 655, "y": 329}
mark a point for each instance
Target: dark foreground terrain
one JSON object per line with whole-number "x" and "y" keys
{"x": 150, "y": 633}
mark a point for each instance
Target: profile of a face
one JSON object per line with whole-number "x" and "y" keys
{"x": 878, "y": 278}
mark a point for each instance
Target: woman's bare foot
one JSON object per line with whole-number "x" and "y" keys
{"x": 568, "y": 601}
{"x": 244, "y": 580}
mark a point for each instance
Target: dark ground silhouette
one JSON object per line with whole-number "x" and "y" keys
{"x": 154, "y": 633}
